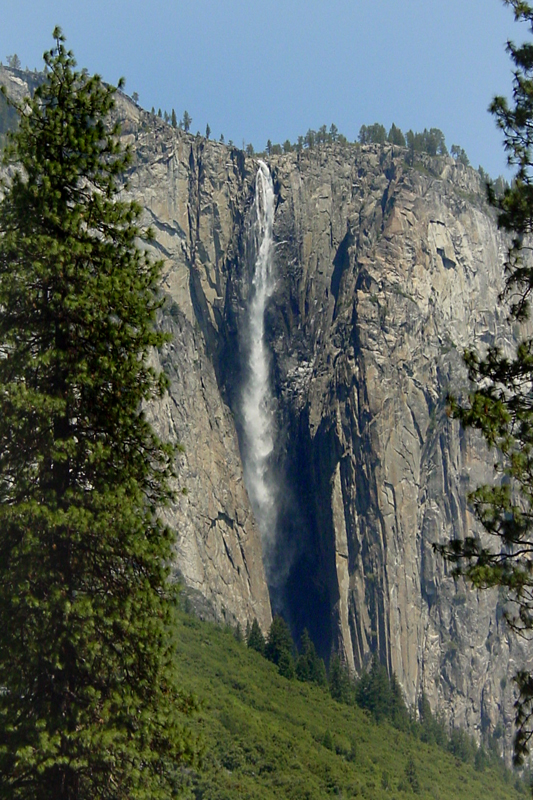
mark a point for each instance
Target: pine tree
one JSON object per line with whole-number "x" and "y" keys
{"x": 340, "y": 682}
{"x": 396, "y": 136}
{"x": 398, "y": 712}
{"x": 286, "y": 665}
{"x": 431, "y": 728}
{"x": 90, "y": 704}
{"x": 500, "y": 403}
{"x": 14, "y": 61}
{"x": 309, "y": 667}
{"x": 434, "y": 142}
{"x": 322, "y": 134}
{"x": 372, "y": 134}
{"x": 186, "y": 121}
{"x": 460, "y": 155}
{"x": 255, "y": 639}
{"x": 462, "y": 746}
{"x": 279, "y": 647}
{"x": 374, "y": 691}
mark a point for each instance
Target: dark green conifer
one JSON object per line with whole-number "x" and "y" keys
{"x": 340, "y": 682}
{"x": 372, "y": 134}
{"x": 431, "y": 729}
{"x": 309, "y": 667}
{"x": 374, "y": 691}
{"x": 481, "y": 759}
{"x": 286, "y": 665}
{"x": 396, "y": 136}
{"x": 279, "y": 647}
{"x": 462, "y": 746}
{"x": 399, "y": 713}
{"x": 460, "y": 155}
{"x": 255, "y": 639}
{"x": 90, "y": 704}
{"x": 186, "y": 121}
{"x": 318, "y": 673}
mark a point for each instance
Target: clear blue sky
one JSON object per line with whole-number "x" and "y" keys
{"x": 272, "y": 69}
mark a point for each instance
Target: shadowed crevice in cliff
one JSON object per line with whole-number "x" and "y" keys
{"x": 341, "y": 263}
{"x": 301, "y": 565}
{"x": 303, "y": 561}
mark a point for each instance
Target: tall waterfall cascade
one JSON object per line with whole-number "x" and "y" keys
{"x": 257, "y": 398}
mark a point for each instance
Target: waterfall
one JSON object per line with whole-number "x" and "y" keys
{"x": 257, "y": 399}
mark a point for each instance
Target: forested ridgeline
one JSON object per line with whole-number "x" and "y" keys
{"x": 430, "y": 141}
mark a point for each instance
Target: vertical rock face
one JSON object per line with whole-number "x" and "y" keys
{"x": 384, "y": 274}
{"x": 194, "y": 195}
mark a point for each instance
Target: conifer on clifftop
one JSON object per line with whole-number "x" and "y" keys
{"x": 90, "y": 704}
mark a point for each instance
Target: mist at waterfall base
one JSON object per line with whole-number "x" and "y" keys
{"x": 278, "y": 483}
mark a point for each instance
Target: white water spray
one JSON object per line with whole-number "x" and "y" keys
{"x": 257, "y": 400}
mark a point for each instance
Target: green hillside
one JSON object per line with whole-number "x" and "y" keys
{"x": 267, "y": 737}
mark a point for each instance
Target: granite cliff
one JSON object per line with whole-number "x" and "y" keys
{"x": 384, "y": 272}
